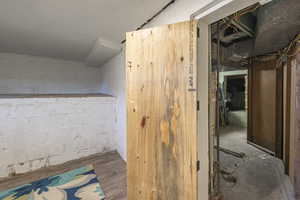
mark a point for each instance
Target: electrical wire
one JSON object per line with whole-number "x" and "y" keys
{"x": 282, "y": 54}
{"x": 153, "y": 17}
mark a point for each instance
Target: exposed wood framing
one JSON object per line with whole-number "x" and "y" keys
{"x": 296, "y": 114}
{"x": 294, "y": 122}
{"x": 246, "y": 93}
{"x": 212, "y": 128}
{"x": 287, "y": 84}
{"x": 279, "y": 112}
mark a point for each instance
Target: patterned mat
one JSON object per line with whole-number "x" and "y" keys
{"x": 79, "y": 184}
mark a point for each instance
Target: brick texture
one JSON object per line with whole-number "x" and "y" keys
{"x": 41, "y": 132}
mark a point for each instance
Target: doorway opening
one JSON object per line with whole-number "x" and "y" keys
{"x": 250, "y": 157}
{"x": 233, "y": 98}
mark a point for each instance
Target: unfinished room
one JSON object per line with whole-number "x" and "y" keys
{"x": 150, "y": 100}
{"x": 253, "y": 77}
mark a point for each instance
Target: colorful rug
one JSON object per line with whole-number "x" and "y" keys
{"x": 79, "y": 184}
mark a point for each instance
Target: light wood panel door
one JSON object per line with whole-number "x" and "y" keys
{"x": 265, "y": 128}
{"x": 162, "y": 113}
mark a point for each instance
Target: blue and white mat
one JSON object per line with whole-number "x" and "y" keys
{"x": 79, "y": 184}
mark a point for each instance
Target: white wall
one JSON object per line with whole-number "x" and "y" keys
{"x": 38, "y": 132}
{"x": 113, "y": 72}
{"x": 113, "y": 83}
{"x": 31, "y": 74}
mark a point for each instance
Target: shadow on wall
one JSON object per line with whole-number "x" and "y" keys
{"x": 112, "y": 76}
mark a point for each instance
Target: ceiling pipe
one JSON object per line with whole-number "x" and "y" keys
{"x": 153, "y": 17}
{"x": 202, "y": 11}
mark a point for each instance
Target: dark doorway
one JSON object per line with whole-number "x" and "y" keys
{"x": 236, "y": 93}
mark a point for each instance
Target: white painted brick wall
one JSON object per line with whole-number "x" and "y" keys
{"x": 38, "y": 132}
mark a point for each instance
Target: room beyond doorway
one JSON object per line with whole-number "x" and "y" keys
{"x": 250, "y": 143}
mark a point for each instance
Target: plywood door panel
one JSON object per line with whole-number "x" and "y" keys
{"x": 162, "y": 113}
{"x": 265, "y": 105}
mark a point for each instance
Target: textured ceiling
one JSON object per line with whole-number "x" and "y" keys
{"x": 71, "y": 30}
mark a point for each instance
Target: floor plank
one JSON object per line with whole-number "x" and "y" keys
{"x": 109, "y": 167}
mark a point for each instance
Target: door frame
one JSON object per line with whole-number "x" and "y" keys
{"x": 207, "y": 15}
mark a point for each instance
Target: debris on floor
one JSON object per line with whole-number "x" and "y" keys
{"x": 233, "y": 153}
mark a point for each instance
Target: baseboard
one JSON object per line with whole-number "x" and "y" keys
{"x": 261, "y": 148}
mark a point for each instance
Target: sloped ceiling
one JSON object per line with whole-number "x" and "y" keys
{"x": 81, "y": 30}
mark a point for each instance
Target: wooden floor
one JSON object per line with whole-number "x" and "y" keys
{"x": 110, "y": 169}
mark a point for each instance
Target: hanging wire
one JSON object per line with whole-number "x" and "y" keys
{"x": 282, "y": 54}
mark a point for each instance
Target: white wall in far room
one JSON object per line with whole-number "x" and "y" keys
{"x": 41, "y": 132}
{"x": 32, "y": 74}
{"x": 113, "y": 83}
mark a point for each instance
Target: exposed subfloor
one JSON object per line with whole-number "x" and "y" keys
{"x": 109, "y": 167}
{"x": 259, "y": 175}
